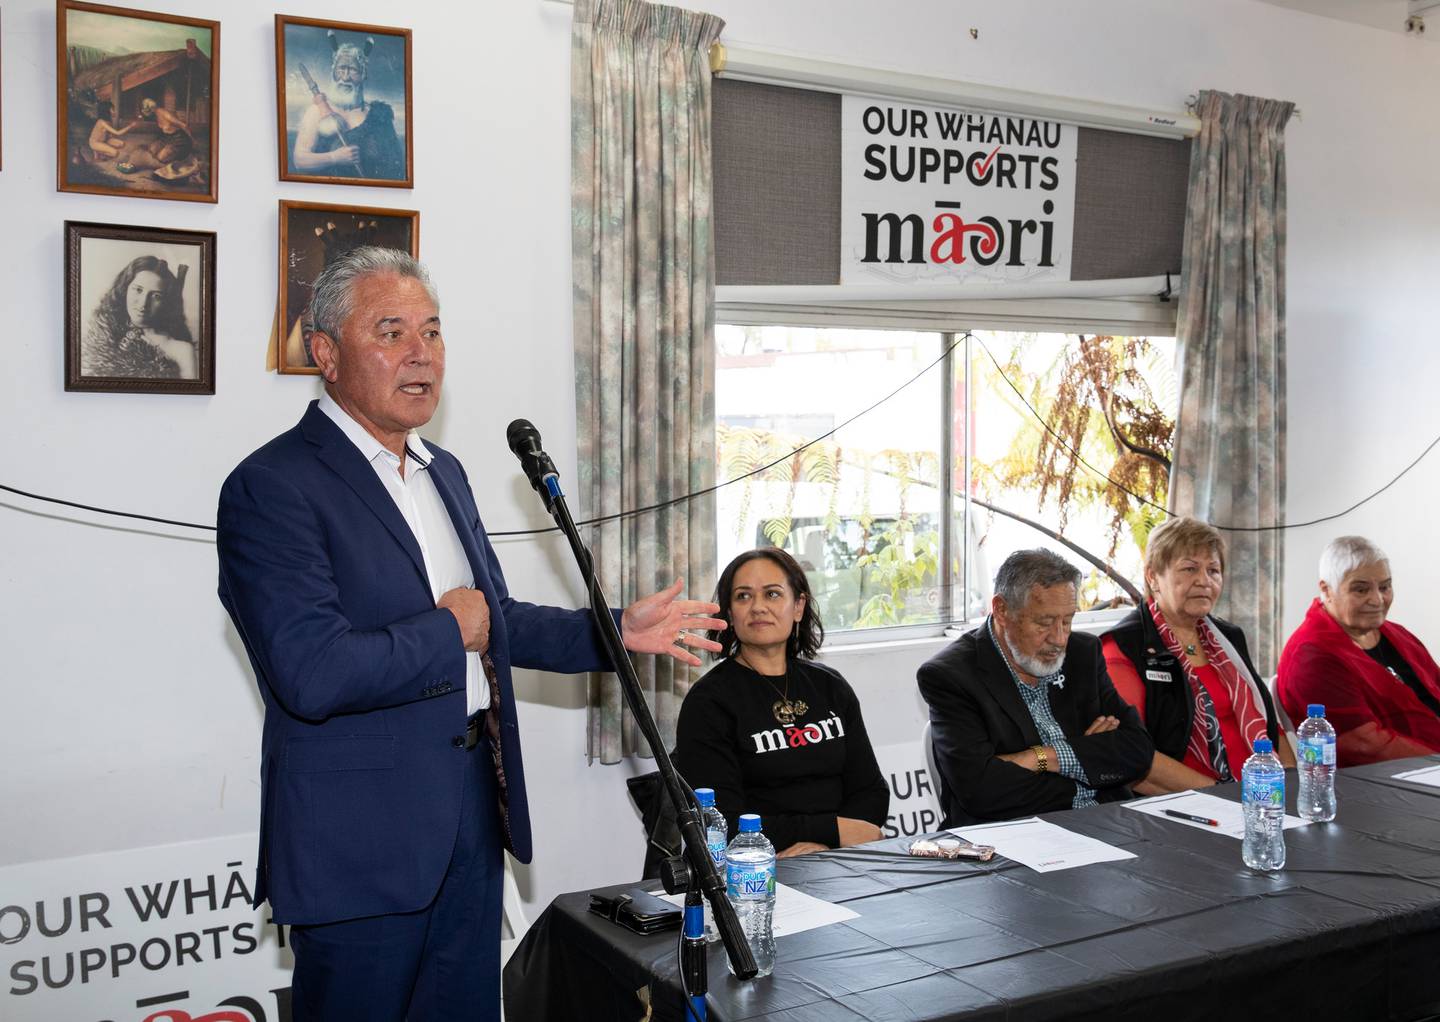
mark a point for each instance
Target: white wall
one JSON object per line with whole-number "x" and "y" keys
{"x": 129, "y": 714}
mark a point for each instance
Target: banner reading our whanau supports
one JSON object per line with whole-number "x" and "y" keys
{"x": 162, "y": 934}
{"x": 933, "y": 195}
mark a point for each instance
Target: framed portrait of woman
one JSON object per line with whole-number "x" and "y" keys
{"x": 343, "y": 95}
{"x": 138, "y": 101}
{"x": 312, "y": 235}
{"x": 139, "y": 309}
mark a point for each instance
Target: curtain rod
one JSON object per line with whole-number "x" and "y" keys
{"x": 827, "y": 76}
{"x": 1192, "y": 101}
{"x": 788, "y": 70}
{"x": 831, "y": 294}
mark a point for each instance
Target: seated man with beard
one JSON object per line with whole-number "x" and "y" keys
{"x": 343, "y": 135}
{"x": 1023, "y": 717}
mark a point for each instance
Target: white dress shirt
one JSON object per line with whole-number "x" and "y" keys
{"x": 419, "y": 503}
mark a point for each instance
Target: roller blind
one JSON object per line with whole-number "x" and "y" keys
{"x": 776, "y": 158}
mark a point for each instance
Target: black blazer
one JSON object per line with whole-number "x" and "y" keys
{"x": 1169, "y": 705}
{"x": 977, "y": 715}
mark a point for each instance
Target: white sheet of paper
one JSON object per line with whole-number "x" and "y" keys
{"x": 1425, "y": 775}
{"x": 1042, "y": 846}
{"x": 795, "y": 911}
{"x": 1229, "y": 814}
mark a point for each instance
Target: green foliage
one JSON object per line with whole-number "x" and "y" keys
{"x": 898, "y": 572}
{"x": 777, "y": 530}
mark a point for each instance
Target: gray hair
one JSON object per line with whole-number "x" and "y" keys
{"x": 1025, "y": 569}
{"x": 1344, "y": 554}
{"x": 334, "y": 296}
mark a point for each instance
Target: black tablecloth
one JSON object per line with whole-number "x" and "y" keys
{"x": 1349, "y": 930}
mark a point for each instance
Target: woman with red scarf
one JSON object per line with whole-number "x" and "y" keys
{"x": 1188, "y": 673}
{"x": 1378, "y": 684}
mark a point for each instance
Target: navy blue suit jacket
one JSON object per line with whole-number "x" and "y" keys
{"x": 363, "y": 678}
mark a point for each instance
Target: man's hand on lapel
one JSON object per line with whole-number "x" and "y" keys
{"x": 473, "y": 615}
{"x": 660, "y": 623}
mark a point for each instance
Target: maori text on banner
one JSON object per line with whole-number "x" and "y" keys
{"x": 936, "y": 195}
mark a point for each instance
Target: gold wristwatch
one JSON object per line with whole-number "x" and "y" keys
{"x": 1042, "y": 759}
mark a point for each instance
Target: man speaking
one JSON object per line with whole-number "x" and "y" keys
{"x": 382, "y": 634}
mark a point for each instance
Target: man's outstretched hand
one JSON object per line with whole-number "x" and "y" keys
{"x": 660, "y": 623}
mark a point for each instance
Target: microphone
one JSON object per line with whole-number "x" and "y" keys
{"x": 524, "y": 441}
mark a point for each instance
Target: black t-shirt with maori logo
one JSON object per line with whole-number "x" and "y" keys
{"x": 797, "y": 776}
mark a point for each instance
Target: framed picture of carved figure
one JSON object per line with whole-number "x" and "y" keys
{"x": 312, "y": 234}
{"x": 139, "y": 309}
{"x": 137, "y": 102}
{"x": 343, "y": 97}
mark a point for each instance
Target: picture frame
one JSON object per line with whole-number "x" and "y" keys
{"x": 139, "y": 309}
{"x": 344, "y": 102}
{"x": 312, "y": 234}
{"x": 137, "y": 103}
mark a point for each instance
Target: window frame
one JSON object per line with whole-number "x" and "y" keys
{"x": 1148, "y": 316}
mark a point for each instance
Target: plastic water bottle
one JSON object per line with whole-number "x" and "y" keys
{"x": 716, "y": 832}
{"x": 750, "y": 882}
{"x": 1262, "y": 797}
{"x": 1316, "y": 768}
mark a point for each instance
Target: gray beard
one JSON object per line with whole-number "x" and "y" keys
{"x": 348, "y": 97}
{"x": 1035, "y": 666}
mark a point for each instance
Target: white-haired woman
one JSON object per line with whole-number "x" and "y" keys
{"x": 1378, "y": 684}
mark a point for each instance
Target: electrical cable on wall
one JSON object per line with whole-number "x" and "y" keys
{"x": 634, "y": 512}
{"x": 589, "y": 521}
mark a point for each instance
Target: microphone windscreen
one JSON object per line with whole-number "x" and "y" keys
{"x": 523, "y": 437}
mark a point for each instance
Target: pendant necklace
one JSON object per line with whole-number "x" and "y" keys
{"x": 786, "y": 710}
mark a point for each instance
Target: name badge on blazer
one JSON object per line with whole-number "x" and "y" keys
{"x": 1157, "y": 675}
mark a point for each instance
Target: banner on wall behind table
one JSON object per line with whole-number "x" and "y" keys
{"x": 933, "y": 195}
{"x": 162, "y": 934}
{"x": 914, "y": 808}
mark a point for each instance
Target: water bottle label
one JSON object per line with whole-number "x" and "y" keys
{"x": 1318, "y": 750}
{"x": 750, "y": 884}
{"x": 717, "y": 850}
{"x": 1264, "y": 791}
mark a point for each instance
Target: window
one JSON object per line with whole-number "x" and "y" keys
{"x": 865, "y": 510}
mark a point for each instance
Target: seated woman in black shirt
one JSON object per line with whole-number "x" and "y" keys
{"x": 773, "y": 733}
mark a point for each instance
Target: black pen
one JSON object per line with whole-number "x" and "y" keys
{"x": 1193, "y": 819}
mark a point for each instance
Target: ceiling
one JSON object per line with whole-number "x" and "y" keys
{"x": 1390, "y": 15}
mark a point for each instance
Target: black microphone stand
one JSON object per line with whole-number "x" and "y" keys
{"x": 541, "y": 472}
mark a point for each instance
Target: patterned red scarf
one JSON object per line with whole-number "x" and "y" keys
{"x": 1205, "y": 740}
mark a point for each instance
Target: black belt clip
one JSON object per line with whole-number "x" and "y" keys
{"x": 473, "y": 731}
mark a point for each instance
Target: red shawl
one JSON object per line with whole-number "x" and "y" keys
{"x": 1376, "y": 716}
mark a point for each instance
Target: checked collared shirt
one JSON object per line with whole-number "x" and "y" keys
{"x": 1037, "y": 700}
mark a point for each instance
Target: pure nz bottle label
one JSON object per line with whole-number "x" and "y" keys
{"x": 1263, "y": 791}
{"x": 747, "y": 884}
